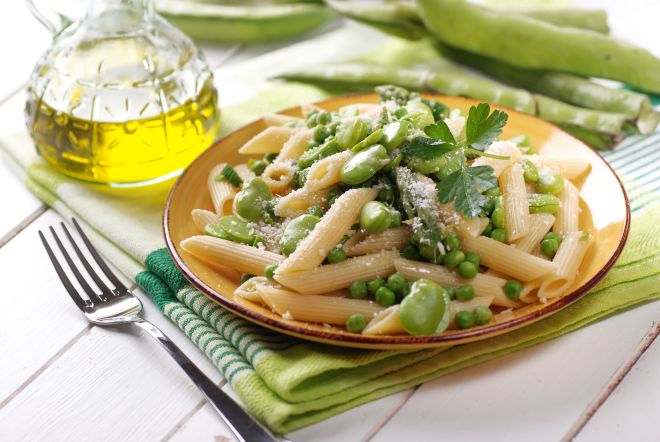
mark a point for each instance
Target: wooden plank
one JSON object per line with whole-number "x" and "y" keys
{"x": 631, "y": 411}
{"x": 534, "y": 394}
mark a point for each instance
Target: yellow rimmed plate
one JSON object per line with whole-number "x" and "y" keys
{"x": 605, "y": 212}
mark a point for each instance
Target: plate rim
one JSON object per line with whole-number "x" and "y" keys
{"x": 341, "y": 338}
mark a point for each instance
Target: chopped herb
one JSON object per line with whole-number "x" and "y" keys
{"x": 463, "y": 187}
{"x": 481, "y": 128}
{"x": 229, "y": 175}
{"x": 440, "y": 131}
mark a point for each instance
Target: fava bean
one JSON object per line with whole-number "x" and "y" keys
{"x": 371, "y": 139}
{"x": 250, "y": 202}
{"x": 420, "y": 113}
{"x": 425, "y": 310}
{"x": 296, "y": 231}
{"x": 530, "y": 172}
{"x": 549, "y": 183}
{"x": 352, "y": 132}
{"x": 314, "y": 154}
{"x": 543, "y": 203}
{"x": 364, "y": 165}
{"x": 394, "y": 134}
{"x": 231, "y": 228}
{"x": 375, "y": 217}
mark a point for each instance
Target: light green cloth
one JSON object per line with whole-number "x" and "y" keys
{"x": 289, "y": 383}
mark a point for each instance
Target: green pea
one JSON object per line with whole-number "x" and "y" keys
{"x": 554, "y": 235}
{"x": 549, "y": 247}
{"x": 421, "y": 114}
{"x": 356, "y": 323}
{"x": 296, "y": 231}
{"x": 464, "y": 320}
{"x": 395, "y": 218}
{"x": 351, "y": 133}
{"x": 316, "y": 211}
{"x": 539, "y": 203}
{"x": 336, "y": 255}
{"x": 473, "y": 257}
{"x": 498, "y": 235}
{"x": 364, "y": 165}
{"x": 530, "y": 172}
{"x": 467, "y": 270}
{"x": 410, "y": 252}
{"x": 465, "y": 293}
{"x": 425, "y": 310}
{"x": 333, "y": 194}
{"x": 311, "y": 156}
{"x": 257, "y": 166}
{"x": 512, "y": 289}
{"x": 249, "y": 202}
{"x": 454, "y": 258}
{"x": 497, "y": 217}
{"x": 396, "y": 282}
{"x": 385, "y": 296}
{"x": 452, "y": 242}
{"x": 394, "y": 134}
{"x": 269, "y": 272}
{"x": 374, "y": 285}
{"x": 323, "y": 117}
{"x": 375, "y": 217}
{"x": 488, "y": 230}
{"x": 320, "y": 133}
{"x": 358, "y": 289}
{"x": 371, "y": 139}
{"x": 549, "y": 183}
{"x": 269, "y": 157}
{"x": 482, "y": 315}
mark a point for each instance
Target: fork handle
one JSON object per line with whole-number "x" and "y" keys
{"x": 244, "y": 426}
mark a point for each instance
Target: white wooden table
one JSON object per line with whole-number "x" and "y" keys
{"x": 61, "y": 379}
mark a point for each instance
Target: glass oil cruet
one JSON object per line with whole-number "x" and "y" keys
{"x": 121, "y": 97}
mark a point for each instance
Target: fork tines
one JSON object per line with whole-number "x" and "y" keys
{"x": 94, "y": 297}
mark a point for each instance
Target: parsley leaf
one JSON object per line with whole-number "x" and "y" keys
{"x": 426, "y": 148}
{"x": 463, "y": 187}
{"x": 440, "y": 131}
{"x": 481, "y": 128}
{"x": 439, "y": 110}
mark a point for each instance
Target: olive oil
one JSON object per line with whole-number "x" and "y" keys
{"x": 155, "y": 146}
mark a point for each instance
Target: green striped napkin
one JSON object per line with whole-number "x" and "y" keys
{"x": 289, "y": 383}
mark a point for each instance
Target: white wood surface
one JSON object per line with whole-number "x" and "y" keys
{"x": 61, "y": 379}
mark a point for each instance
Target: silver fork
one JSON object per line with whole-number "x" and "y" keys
{"x": 119, "y": 306}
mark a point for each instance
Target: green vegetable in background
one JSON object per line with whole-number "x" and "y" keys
{"x": 222, "y": 23}
{"x": 425, "y": 311}
{"x": 524, "y": 41}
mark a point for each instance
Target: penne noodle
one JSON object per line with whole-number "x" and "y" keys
{"x": 483, "y": 284}
{"x": 296, "y": 145}
{"x": 298, "y": 201}
{"x": 503, "y": 148}
{"x": 539, "y": 225}
{"x": 281, "y": 120}
{"x": 331, "y": 277}
{"x": 327, "y": 172}
{"x": 396, "y": 238}
{"x": 571, "y": 252}
{"x": 222, "y": 193}
{"x": 203, "y": 217}
{"x": 464, "y": 226}
{"x": 516, "y": 206}
{"x": 278, "y": 176}
{"x": 530, "y": 291}
{"x": 566, "y": 167}
{"x": 269, "y": 140}
{"x": 310, "y": 308}
{"x": 326, "y": 234}
{"x": 244, "y": 172}
{"x": 568, "y": 215}
{"x": 508, "y": 259}
{"x": 456, "y": 126}
{"x": 245, "y": 259}
{"x": 248, "y": 290}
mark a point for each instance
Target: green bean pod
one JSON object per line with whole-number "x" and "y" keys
{"x": 525, "y": 42}
{"x": 210, "y": 22}
{"x": 590, "y": 19}
{"x": 560, "y": 112}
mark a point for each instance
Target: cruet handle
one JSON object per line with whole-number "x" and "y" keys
{"x": 52, "y": 20}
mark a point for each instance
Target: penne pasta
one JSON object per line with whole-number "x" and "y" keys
{"x": 311, "y": 308}
{"x": 278, "y": 176}
{"x": 568, "y": 215}
{"x": 539, "y": 225}
{"x": 571, "y": 252}
{"x": 331, "y": 277}
{"x": 464, "y": 226}
{"x": 222, "y": 193}
{"x": 567, "y": 167}
{"x": 269, "y": 140}
{"x": 456, "y": 126}
{"x": 326, "y": 234}
{"x": 327, "y": 172}
{"x": 507, "y": 259}
{"x": 483, "y": 284}
{"x": 298, "y": 201}
{"x": 203, "y": 217}
{"x": 244, "y": 172}
{"x": 243, "y": 258}
{"x": 281, "y": 120}
{"x": 248, "y": 290}
{"x": 503, "y": 148}
{"x": 530, "y": 291}
{"x": 516, "y": 206}
{"x": 396, "y": 238}
{"x": 296, "y": 145}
